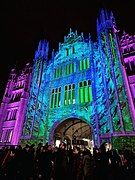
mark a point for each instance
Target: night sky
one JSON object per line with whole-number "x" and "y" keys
{"x": 25, "y": 22}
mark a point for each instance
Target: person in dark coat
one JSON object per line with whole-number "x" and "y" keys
{"x": 10, "y": 166}
{"x": 75, "y": 164}
{"x": 103, "y": 170}
{"x": 88, "y": 165}
{"x": 61, "y": 163}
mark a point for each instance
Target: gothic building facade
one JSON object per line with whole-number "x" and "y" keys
{"x": 85, "y": 87}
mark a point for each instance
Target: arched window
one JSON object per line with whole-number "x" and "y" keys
{"x": 69, "y": 94}
{"x": 85, "y": 91}
{"x": 56, "y": 98}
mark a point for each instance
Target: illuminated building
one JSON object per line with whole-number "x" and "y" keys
{"x": 85, "y": 90}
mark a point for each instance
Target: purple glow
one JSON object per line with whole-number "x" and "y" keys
{"x": 13, "y": 106}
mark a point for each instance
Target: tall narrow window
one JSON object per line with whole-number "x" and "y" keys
{"x": 70, "y": 68}
{"x": 59, "y": 94}
{"x": 6, "y": 135}
{"x": 56, "y": 98}
{"x": 69, "y": 94}
{"x": 85, "y": 91}
{"x": 2, "y": 136}
{"x": 16, "y": 97}
{"x": 58, "y": 72}
{"x": 11, "y": 114}
{"x": 52, "y": 98}
{"x": 7, "y": 115}
{"x": 87, "y": 63}
{"x": 80, "y": 65}
{"x": 84, "y": 64}
{"x": 14, "y": 114}
{"x": 73, "y": 94}
{"x": 67, "y": 69}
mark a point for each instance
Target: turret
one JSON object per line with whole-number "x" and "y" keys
{"x": 37, "y": 84}
{"x": 12, "y": 74}
{"x": 119, "y": 115}
{"x": 105, "y": 20}
{"x": 42, "y": 51}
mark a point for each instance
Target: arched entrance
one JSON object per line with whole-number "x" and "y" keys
{"x": 74, "y": 131}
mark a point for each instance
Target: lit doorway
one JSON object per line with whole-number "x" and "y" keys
{"x": 74, "y": 131}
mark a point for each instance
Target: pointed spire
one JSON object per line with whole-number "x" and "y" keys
{"x": 106, "y": 20}
{"x": 43, "y": 45}
{"x": 43, "y": 49}
{"x": 90, "y": 43}
{"x": 102, "y": 16}
{"x": 106, "y": 14}
{"x": 111, "y": 15}
{"x": 27, "y": 68}
{"x": 82, "y": 35}
{"x": 64, "y": 38}
{"x": 124, "y": 32}
{"x": 89, "y": 37}
{"x": 76, "y": 32}
{"x": 112, "y": 18}
{"x": 70, "y": 32}
{"x": 27, "y": 65}
{"x": 59, "y": 45}
{"x": 125, "y": 35}
{"x": 97, "y": 23}
{"x": 52, "y": 54}
{"x": 13, "y": 74}
{"x": 39, "y": 45}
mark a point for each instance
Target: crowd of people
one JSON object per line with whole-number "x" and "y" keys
{"x": 59, "y": 163}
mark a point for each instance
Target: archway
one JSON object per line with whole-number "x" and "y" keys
{"x": 74, "y": 131}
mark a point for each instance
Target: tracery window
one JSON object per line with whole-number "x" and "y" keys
{"x": 70, "y": 68}
{"x": 6, "y": 135}
{"x": 69, "y": 94}
{"x": 58, "y": 72}
{"x": 11, "y": 114}
{"x": 56, "y": 97}
{"x": 84, "y": 64}
{"x": 85, "y": 91}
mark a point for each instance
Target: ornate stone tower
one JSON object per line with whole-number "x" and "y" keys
{"x": 13, "y": 106}
{"x": 35, "y": 113}
{"x": 117, "y": 110}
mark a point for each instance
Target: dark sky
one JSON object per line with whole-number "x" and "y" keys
{"x": 25, "y": 22}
